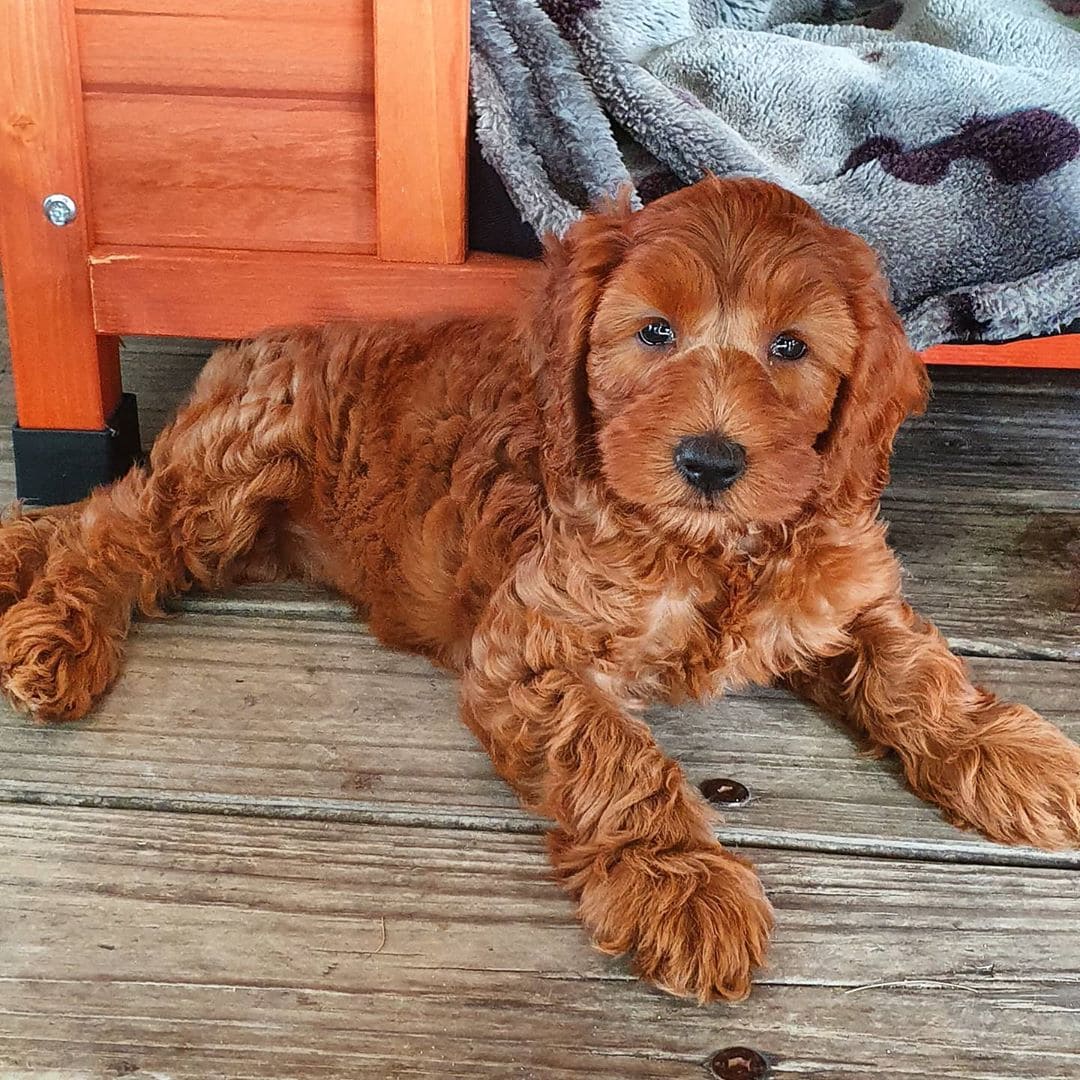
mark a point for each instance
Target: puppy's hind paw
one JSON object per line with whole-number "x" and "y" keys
{"x": 55, "y": 660}
{"x": 24, "y": 543}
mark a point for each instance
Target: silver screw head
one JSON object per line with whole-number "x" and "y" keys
{"x": 60, "y": 209}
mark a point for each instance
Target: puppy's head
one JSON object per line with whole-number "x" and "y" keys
{"x": 722, "y": 357}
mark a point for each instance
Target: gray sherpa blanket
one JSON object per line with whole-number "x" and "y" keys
{"x": 945, "y": 132}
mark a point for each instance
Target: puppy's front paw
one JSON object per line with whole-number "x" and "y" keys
{"x": 1019, "y": 783}
{"x": 697, "y": 922}
{"x": 55, "y": 660}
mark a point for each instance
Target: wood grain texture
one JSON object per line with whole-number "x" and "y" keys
{"x": 192, "y": 947}
{"x": 984, "y": 508}
{"x": 246, "y": 172}
{"x": 65, "y": 375}
{"x": 290, "y": 47}
{"x": 984, "y": 504}
{"x": 999, "y": 579}
{"x": 421, "y": 109}
{"x": 150, "y": 291}
{"x": 306, "y": 716}
{"x": 993, "y": 433}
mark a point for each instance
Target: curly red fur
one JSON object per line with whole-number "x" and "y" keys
{"x": 500, "y": 495}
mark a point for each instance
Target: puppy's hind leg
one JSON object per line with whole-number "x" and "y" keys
{"x": 24, "y": 547}
{"x": 227, "y": 469}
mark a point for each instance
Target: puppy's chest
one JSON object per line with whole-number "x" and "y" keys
{"x": 667, "y": 651}
{"x": 687, "y": 643}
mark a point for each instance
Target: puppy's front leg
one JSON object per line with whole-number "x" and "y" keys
{"x": 990, "y": 765}
{"x": 633, "y": 844}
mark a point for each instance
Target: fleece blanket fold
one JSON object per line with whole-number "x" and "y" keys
{"x": 945, "y": 132}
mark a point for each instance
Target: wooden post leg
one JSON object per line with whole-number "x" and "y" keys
{"x": 421, "y": 111}
{"x": 67, "y": 378}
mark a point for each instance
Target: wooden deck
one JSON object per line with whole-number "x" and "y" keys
{"x": 273, "y": 851}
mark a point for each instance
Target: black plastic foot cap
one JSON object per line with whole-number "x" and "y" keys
{"x": 53, "y": 467}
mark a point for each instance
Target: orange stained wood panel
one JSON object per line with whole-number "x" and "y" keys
{"x": 421, "y": 103}
{"x": 226, "y": 294}
{"x": 302, "y": 48}
{"x": 229, "y": 294}
{"x": 65, "y": 375}
{"x": 235, "y": 172}
{"x": 1058, "y": 351}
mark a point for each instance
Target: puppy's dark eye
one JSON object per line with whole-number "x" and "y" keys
{"x": 787, "y": 347}
{"x": 656, "y": 333}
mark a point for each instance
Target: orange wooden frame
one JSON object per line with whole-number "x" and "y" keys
{"x": 66, "y": 374}
{"x": 71, "y": 291}
{"x": 421, "y": 108}
{"x": 1059, "y": 351}
{"x": 228, "y": 294}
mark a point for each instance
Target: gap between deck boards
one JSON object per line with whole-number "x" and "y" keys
{"x": 293, "y": 601}
{"x": 329, "y": 726}
{"x": 959, "y": 852}
{"x": 199, "y": 948}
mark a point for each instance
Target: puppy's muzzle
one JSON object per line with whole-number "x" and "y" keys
{"x": 709, "y": 463}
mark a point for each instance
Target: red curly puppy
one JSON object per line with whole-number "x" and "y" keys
{"x": 658, "y": 480}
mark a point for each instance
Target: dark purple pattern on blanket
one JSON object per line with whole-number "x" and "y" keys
{"x": 1018, "y": 147}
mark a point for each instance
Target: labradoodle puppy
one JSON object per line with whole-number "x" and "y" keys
{"x": 658, "y": 479}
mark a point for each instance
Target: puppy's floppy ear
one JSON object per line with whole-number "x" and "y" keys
{"x": 577, "y": 268}
{"x": 887, "y": 383}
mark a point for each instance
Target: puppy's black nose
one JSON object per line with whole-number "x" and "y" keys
{"x": 710, "y": 462}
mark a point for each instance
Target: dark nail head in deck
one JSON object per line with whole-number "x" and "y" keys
{"x": 723, "y": 792}
{"x": 738, "y": 1063}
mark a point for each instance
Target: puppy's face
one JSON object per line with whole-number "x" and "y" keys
{"x": 732, "y": 336}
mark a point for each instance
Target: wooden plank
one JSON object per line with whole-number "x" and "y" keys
{"x": 421, "y": 110}
{"x": 65, "y": 375}
{"x": 290, "y": 47}
{"x": 245, "y": 172}
{"x": 999, "y": 578}
{"x": 1056, "y": 351}
{"x": 984, "y": 504}
{"x": 994, "y": 432}
{"x": 189, "y": 947}
{"x": 984, "y": 508}
{"x": 224, "y": 9}
{"x": 309, "y": 717}
{"x": 151, "y": 291}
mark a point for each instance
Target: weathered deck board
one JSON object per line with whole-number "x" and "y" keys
{"x": 309, "y": 718}
{"x": 984, "y": 506}
{"x": 246, "y": 937}
{"x": 998, "y": 578}
{"x": 200, "y": 947}
{"x": 995, "y": 433}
